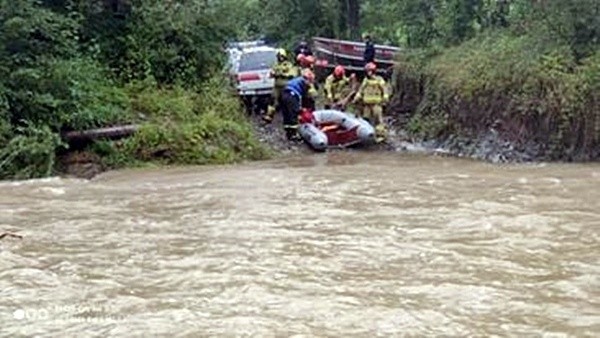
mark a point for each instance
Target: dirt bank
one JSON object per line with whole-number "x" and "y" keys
{"x": 489, "y": 147}
{"x": 80, "y": 164}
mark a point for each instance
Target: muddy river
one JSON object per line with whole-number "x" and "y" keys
{"x": 340, "y": 244}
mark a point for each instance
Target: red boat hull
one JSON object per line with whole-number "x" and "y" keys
{"x": 340, "y": 137}
{"x": 333, "y": 52}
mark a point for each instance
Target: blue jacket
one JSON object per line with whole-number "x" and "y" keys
{"x": 298, "y": 86}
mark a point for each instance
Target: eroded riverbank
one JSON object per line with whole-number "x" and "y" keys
{"x": 489, "y": 148}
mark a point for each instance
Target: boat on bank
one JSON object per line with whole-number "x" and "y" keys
{"x": 327, "y": 128}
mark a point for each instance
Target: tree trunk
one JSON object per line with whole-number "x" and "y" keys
{"x": 353, "y": 19}
{"x": 106, "y": 133}
{"x": 349, "y": 18}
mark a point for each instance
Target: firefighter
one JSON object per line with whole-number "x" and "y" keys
{"x": 369, "y": 53}
{"x": 291, "y": 102}
{"x": 373, "y": 95}
{"x": 282, "y": 72}
{"x": 303, "y": 48}
{"x": 305, "y": 62}
{"x": 309, "y": 101}
{"x": 336, "y": 87}
{"x": 300, "y": 60}
{"x": 308, "y": 63}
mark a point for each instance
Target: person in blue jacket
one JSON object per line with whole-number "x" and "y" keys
{"x": 291, "y": 101}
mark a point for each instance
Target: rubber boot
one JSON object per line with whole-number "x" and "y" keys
{"x": 268, "y": 115}
{"x": 381, "y": 133}
{"x": 292, "y": 134}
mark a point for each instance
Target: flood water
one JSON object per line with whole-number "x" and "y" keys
{"x": 340, "y": 244}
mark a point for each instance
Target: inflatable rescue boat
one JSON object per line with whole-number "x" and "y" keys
{"x": 333, "y": 128}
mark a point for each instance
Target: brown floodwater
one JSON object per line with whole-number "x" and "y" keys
{"x": 339, "y": 244}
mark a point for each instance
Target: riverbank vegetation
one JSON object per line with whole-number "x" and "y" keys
{"x": 527, "y": 70}
{"x": 530, "y": 74}
{"x": 73, "y": 65}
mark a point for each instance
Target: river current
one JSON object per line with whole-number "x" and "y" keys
{"x": 338, "y": 244}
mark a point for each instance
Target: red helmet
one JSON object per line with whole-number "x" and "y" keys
{"x": 310, "y": 59}
{"x": 371, "y": 67}
{"x": 339, "y": 71}
{"x": 300, "y": 58}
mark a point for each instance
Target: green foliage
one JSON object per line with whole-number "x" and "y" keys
{"x": 173, "y": 42}
{"x": 288, "y": 21}
{"x": 425, "y": 23}
{"x": 163, "y": 105}
{"x": 5, "y": 127}
{"x": 575, "y": 22}
{"x": 207, "y": 139}
{"x": 30, "y": 33}
{"x": 528, "y": 88}
{"x": 78, "y": 64}
{"x": 74, "y": 64}
{"x": 66, "y": 95}
{"x": 30, "y": 154}
{"x": 191, "y": 128}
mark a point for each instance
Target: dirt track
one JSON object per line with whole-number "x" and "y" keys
{"x": 273, "y": 135}
{"x": 488, "y": 147}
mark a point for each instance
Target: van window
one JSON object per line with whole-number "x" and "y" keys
{"x": 257, "y": 60}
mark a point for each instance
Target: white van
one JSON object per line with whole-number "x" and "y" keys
{"x": 253, "y": 81}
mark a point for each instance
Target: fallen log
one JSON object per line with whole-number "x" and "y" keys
{"x": 107, "y": 133}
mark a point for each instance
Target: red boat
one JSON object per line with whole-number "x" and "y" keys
{"x": 326, "y": 128}
{"x": 331, "y": 52}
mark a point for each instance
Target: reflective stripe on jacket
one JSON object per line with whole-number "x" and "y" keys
{"x": 373, "y": 90}
{"x": 283, "y": 72}
{"x": 334, "y": 87}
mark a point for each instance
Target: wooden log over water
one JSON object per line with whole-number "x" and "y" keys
{"x": 106, "y": 133}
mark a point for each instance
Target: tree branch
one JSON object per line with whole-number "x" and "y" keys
{"x": 10, "y": 234}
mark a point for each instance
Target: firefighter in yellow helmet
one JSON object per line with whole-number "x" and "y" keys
{"x": 282, "y": 72}
{"x": 373, "y": 94}
{"x": 336, "y": 87}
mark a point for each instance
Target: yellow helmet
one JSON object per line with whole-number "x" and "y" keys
{"x": 281, "y": 52}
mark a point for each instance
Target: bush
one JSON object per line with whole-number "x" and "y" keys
{"x": 409, "y": 78}
{"x": 185, "y": 127}
{"x": 526, "y": 88}
{"x": 176, "y": 44}
{"x": 162, "y": 105}
{"x": 209, "y": 139}
{"x": 588, "y": 75}
{"x": 71, "y": 94}
{"x": 30, "y": 154}
{"x": 30, "y": 33}
{"x": 5, "y": 127}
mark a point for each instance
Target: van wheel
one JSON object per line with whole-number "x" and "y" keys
{"x": 262, "y": 104}
{"x": 247, "y": 104}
